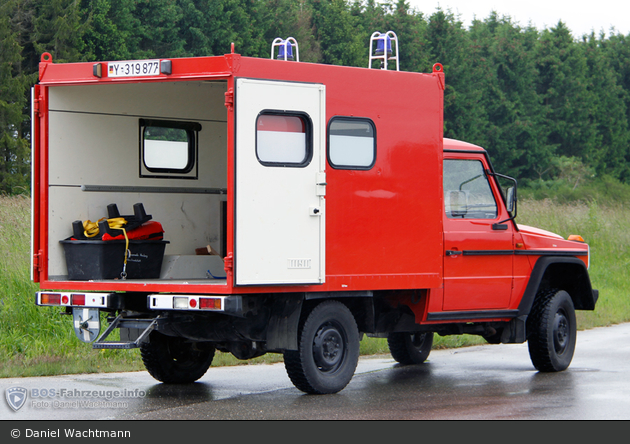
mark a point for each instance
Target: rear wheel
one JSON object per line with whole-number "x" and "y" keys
{"x": 552, "y": 331}
{"x": 328, "y": 350}
{"x": 176, "y": 360}
{"x": 410, "y": 348}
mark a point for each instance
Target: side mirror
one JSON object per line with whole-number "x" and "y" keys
{"x": 511, "y": 199}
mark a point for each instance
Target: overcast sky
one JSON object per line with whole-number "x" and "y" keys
{"x": 581, "y": 17}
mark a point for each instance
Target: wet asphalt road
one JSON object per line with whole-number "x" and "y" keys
{"x": 490, "y": 382}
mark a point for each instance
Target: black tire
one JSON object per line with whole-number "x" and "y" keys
{"x": 552, "y": 331}
{"x": 174, "y": 360}
{"x": 328, "y": 350}
{"x": 410, "y": 348}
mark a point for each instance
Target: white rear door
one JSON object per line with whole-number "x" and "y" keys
{"x": 280, "y": 183}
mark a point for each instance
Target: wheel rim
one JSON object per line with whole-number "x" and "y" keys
{"x": 329, "y": 347}
{"x": 417, "y": 340}
{"x": 183, "y": 354}
{"x": 561, "y": 332}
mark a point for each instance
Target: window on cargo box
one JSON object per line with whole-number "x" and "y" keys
{"x": 351, "y": 143}
{"x": 283, "y": 139}
{"x": 168, "y": 148}
{"x": 467, "y": 192}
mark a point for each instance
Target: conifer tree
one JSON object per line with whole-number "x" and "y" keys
{"x": 339, "y": 33}
{"x": 110, "y": 29}
{"x": 515, "y": 127}
{"x": 411, "y": 30}
{"x": 14, "y": 148}
{"x": 59, "y": 27}
{"x": 291, "y": 18}
{"x": 158, "y": 29}
{"x": 568, "y": 103}
{"x": 608, "y": 155}
{"x": 449, "y": 44}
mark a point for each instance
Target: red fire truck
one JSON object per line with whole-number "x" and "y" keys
{"x": 254, "y": 206}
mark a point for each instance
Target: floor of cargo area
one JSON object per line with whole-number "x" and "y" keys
{"x": 163, "y": 281}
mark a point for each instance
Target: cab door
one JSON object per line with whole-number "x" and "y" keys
{"x": 478, "y": 252}
{"x": 279, "y": 183}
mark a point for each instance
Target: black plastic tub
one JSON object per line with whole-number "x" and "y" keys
{"x": 96, "y": 260}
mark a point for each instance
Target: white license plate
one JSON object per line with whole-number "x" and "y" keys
{"x": 137, "y": 68}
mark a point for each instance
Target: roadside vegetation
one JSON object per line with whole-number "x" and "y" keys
{"x": 37, "y": 341}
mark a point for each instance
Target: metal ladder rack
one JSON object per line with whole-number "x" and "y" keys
{"x": 285, "y": 49}
{"x": 384, "y": 50}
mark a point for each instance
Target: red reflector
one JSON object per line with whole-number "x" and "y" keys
{"x": 78, "y": 299}
{"x": 50, "y": 299}
{"x": 65, "y": 299}
{"x": 210, "y": 303}
{"x": 192, "y": 303}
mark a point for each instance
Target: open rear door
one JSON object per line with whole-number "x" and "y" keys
{"x": 280, "y": 183}
{"x": 36, "y": 253}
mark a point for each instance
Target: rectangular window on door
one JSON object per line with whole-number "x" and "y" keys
{"x": 283, "y": 139}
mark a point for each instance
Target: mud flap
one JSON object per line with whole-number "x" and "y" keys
{"x": 282, "y": 333}
{"x": 514, "y": 332}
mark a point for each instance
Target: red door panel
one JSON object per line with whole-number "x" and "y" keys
{"x": 478, "y": 259}
{"x": 477, "y": 266}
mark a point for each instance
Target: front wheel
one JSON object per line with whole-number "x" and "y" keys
{"x": 552, "y": 331}
{"x": 175, "y": 360}
{"x": 328, "y": 350}
{"x": 410, "y": 348}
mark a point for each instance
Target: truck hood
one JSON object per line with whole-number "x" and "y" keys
{"x": 527, "y": 230}
{"x": 537, "y": 239}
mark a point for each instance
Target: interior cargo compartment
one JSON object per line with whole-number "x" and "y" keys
{"x": 162, "y": 144}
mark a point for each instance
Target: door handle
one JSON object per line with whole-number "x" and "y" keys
{"x": 453, "y": 252}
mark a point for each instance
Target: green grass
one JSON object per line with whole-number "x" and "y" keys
{"x": 36, "y": 340}
{"x": 605, "y": 228}
{"x": 40, "y": 341}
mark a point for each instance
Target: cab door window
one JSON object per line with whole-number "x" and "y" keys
{"x": 467, "y": 192}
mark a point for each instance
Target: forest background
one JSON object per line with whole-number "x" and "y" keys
{"x": 551, "y": 108}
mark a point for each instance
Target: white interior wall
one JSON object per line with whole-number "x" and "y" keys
{"x": 94, "y": 140}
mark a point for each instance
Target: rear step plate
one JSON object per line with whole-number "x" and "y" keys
{"x": 146, "y": 325}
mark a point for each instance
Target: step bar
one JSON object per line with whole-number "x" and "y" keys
{"x": 147, "y": 325}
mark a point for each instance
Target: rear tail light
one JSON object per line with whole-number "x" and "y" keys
{"x": 227, "y": 304}
{"x": 210, "y": 303}
{"x": 50, "y": 299}
{"x": 78, "y": 299}
{"x": 95, "y": 300}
